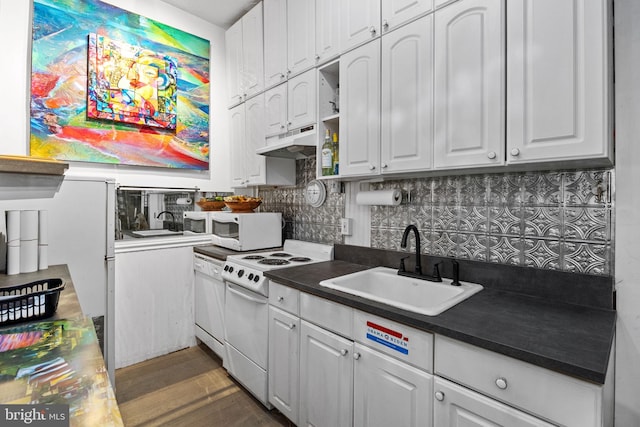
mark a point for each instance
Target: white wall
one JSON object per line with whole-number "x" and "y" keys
{"x": 15, "y": 39}
{"x": 627, "y": 199}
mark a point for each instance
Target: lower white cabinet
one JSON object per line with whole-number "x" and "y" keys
{"x": 326, "y": 378}
{"x": 458, "y": 406}
{"x": 284, "y": 355}
{"x": 388, "y": 392}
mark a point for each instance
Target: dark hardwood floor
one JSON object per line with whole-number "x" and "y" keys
{"x": 188, "y": 388}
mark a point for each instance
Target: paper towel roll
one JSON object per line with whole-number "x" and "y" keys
{"x": 184, "y": 201}
{"x": 379, "y": 197}
{"x": 13, "y": 228}
{"x": 43, "y": 257}
{"x": 29, "y": 225}
{"x": 13, "y": 260}
{"x": 28, "y": 256}
{"x": 43, "y": 228}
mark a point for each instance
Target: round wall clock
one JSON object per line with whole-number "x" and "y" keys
{"x": 315, "y": 193}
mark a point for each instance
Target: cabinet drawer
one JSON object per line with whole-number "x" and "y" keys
{"x": 327, "y": 314}
{"x": 556, "y": 397}
{"x": 284, "y": 297}
{"x": 395, "y": 339}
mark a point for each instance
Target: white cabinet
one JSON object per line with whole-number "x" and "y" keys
{"x": 284, "y": 346}
{"x": 397, "y": 12}
{"x": 456, "y": 406}
{"x": 275, "y": 42}
{"x": 388, "y": 392}
{"x": 275, "y": 103}
{"x": 407, "y": 98}
{"x": 244, "y": 44}
{"x": 558, "y": 81}
{"x": 469, "y": 84}
{"x": 301, "y": 32}
{"x": 360, "y": 110}
{"x": 301, "y": 100}
{"x": 209, "y": 293}
{"x": 326, "y": 378}
{"x": 327, "y": 30}
{"x": 360, "y": 22}
{"x": 247, "y": 133}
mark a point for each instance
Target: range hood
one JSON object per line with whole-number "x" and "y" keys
{"x": 296, "y": 144}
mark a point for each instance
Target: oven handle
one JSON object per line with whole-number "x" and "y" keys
{"x": 246, "y": 294}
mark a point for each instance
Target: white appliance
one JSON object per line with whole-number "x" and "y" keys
{"x": 246, "y": 231}
{"x": 196, "y": 222}
{"x": 246, "y": 314}
{"x": 209, "y": 302}
{"x": 81, "y": 216}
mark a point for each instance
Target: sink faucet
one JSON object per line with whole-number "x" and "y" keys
{"x": 173, "y": 219}
{"x": 435, "y": 277}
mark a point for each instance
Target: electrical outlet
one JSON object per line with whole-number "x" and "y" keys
{"x": 345, "y": 226}
{"x": 335, "y": 186}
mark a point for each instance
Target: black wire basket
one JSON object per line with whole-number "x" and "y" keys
{"x": 29, "y": 301}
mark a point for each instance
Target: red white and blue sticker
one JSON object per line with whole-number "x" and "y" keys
{"x": 388, "y": 337}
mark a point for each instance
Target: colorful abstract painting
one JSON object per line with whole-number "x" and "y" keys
{"x": 131, "y": 84}
{"x": 70, "y": 117}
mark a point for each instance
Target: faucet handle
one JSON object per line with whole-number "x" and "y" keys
{"x": 402, "y": 267}
{"x": 456, "y": 273}
{"x": 436, "y": 272}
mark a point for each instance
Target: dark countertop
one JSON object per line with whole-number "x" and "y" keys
{"x": 68, "y": 337}
{"x": 567, "y": 338}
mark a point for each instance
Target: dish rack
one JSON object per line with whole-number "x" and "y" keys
{"x": 29, "y": 301}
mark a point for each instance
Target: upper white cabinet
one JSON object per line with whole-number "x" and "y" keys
{"x": 360, "y": 22}
{"x": 301, "y": 95}
{"x": 275, "y": 102}
{"x": 558, "y": 80}
{"x": 407, "y": 98}
{"x": 327, "y": 30}
{"x": 275, "y": 42}
{"x": 301, "y": 34}
{"x": 245, "y": 65}
{"x": 397, "y": 12}
{"x": 469, "y": 84}
{"x": 360, "y": 110}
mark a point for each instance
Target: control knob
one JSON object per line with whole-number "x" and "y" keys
{"x": 256, "y": 278}
{"x": 240, "y": 273}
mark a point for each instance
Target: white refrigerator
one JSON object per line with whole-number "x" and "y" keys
{"x": 81, "y": 219}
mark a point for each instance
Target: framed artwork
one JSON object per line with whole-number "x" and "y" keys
{"x": 111, "y": 86}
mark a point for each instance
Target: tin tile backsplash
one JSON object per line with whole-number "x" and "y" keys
{"x": 551, "y": 220}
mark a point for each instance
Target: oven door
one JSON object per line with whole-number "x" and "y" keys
{"x": 246, "y": 323}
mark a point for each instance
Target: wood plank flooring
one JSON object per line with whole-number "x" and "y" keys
{"x": 188, "y": 388}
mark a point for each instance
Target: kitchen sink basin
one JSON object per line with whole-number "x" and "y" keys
{"x": 155, "y": 233}
{"x": 383, "y": 284}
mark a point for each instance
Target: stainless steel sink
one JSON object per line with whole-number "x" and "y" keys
{"x": 383, "y": 284}
{"x": 155, "y": 233}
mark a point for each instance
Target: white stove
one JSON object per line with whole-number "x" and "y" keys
{"x": 246, "y": 269}
{"x": 246, "y": 311}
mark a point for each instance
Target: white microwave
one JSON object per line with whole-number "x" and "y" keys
{"x": 246, "y": 231}
{"x": 196, "y": 222}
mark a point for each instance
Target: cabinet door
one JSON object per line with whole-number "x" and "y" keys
{"x": 301, "y": 34}
{"x": 557, "y": 80}
{"x": 360, "y": 111}
{"x": 252, "y": 51}
{"x": 360, "y": 22}
{"x": 301, "y": 105}
{"x": 327, "y": 30}
{"x": 236, "y": 140}
{"x": 407, "y": 98}
{"x": 275, "y": 42}
{"x": 326, "y": 378}
{"x": 284, "y": 346}
{"x": 275, "y": 104}
{"x": 388, "y": 392}
{"x": 255, "y": 164}
{"x": 233, "y": 45}
{"x": 455, "y": 406}
{"x": 397, "y": 12}
{"x": 469, "y": 84}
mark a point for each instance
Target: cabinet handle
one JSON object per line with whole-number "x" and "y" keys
{"x": 288, "y": 71}
{"x": 280, "y": 299}
{"x": 371, "y": 167}
{"x": 281, "y": 126}
{"x": 385, "y": 25}
{"x": 491, "y": 155}
{"x": 439, "y": 396}
{"x": 383, "y": 166}
{"x": 317, "y": 57}
{"x": 281, "y": 76}
{"x": 292, "y": 326}
{"x": 356, "y": 356}
{"x": 515, "y": 152}
{"x": 372, "y": 30}
{"x": 344, "y": 352}
{"x": 501, "y": 383}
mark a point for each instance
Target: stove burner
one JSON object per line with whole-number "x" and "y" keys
{"x": 273, "y": 261}
{"x": 253, "y": 257}
{"x": 300, "y": 259}
{"x": 281, "y": 254}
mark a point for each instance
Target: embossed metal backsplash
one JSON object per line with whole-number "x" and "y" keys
{"x": 551, "y": 220}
